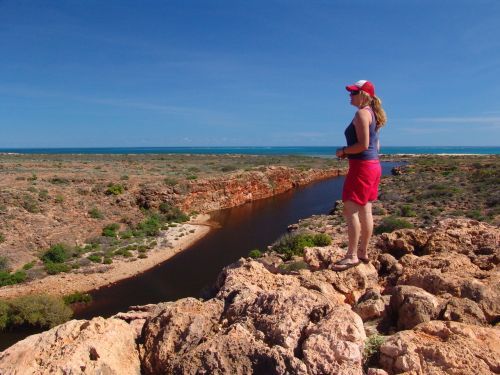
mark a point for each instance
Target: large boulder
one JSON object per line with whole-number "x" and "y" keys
{"x": 259, "y": 322}
{"x": 440, "y": 348}
{"x": 98, "y": 346}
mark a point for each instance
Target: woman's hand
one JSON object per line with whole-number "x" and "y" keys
{"x": 340, "y": 153}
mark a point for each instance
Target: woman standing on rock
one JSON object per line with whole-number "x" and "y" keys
{"x": 363, "y": 178}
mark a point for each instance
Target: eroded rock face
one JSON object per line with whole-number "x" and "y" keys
{"x": 443, "y": 348}
{"x": 98, "y": 346}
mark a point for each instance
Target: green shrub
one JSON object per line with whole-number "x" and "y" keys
{"x": 124, "y": 177}
{"x": 94, "y": 213}
{"x": 107, "y": 260}
{"x": 7, "y": 278}
{"x": 192, "y": 177}
{"x": 77, "y": 297}
{"x": 55, "y": 268}
{"x": 172, "y": 213}
{"x": 57, "y": 253}
{"x": 115, "y": 189}
{"x": 256, "y": 253}
{"x": 59, "y": 198}
{"x": 110, "y": 230}
{"x": 33, "y": 177}
{"x": 43, "y": 195}
{"x": 2, "y": 237}
{"x": 149, "y": 227}
{"x": 38, "y": 311}
{"x": 228, "y": 168}
{"x": 391, "y": 223}
{"x": 126, "y": 234}
{"x": 322, "y": 239}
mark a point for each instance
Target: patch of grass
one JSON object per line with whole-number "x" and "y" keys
{"x": 170, "y": 181}
{"x": 4, "y": 264}
{"x": 30, "y": 204}
{"x": 29, "y": 265}
{"x": 59, "y": 198}
{"x": 391, "y": 223}
{"x": 94, "y": 213}
{"x": 59, "y": 180}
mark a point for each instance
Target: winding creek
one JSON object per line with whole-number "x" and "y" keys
{"x": 189, "y": 273}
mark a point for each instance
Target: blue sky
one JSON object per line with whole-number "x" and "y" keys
{"x": 242, "y": 73}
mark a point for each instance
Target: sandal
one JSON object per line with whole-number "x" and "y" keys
{"x": 364, "y": 260}
{"x": 341, "y": 265}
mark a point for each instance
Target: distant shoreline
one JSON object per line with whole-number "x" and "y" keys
{"x": 277, "y": 151}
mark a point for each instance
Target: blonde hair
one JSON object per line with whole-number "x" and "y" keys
{"x": 376, "y": 104}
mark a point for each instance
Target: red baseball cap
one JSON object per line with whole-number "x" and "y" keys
{"x": 362, "y": 85}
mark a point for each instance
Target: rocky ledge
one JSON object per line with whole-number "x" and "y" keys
{"x": 431, "y": 295}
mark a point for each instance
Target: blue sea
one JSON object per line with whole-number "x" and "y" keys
{"x": 327, "y": 151}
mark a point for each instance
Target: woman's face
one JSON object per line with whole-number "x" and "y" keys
{"x": 355, "y": 98}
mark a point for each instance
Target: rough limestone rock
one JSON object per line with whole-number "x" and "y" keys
{"x": 370, "y": 306}
{"x": 412, "y": 306}
{"x": 439, "y": 348}
{"x": 463, "y": 310}
{"x": 321, "y": 257}
{"x": 455, "y": 275}
{"x": 259, "y": 322}
{"x": 98, "y": 346}
{"x": 478, "y": 241}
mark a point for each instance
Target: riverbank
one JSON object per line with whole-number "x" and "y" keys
{"x": 97, "y": 276}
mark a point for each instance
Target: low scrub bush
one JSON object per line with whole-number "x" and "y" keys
{"x": 172, "y": 213}
{"x": 149, "y": 227}
{"x": 407, "y": 211}
{"x": 2, "y": 237}
{"x": 37, "y": 311}
{"x": 4, "y": 264}
{"x": 95, "y": 258}
{"x": 55, "y": 268}
{"x": 291, "y": 244}
{"x": 58, "y": 253}
{"x": 391, "y": 223}
{"x": 110, "y": 230}
{"x": 115, "y": 189}
{"x": 7, "y": 278}
{"x": 30, "y": 204}
{"x": 77, "y": 297}
{"x": 59, "y": 180}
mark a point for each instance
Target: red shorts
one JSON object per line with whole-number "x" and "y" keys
{"x": 362, "y": 180}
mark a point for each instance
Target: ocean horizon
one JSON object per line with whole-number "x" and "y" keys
{"x": 318, "y": 151}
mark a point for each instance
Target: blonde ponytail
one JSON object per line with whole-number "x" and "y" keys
{"x": 379, "y": 112}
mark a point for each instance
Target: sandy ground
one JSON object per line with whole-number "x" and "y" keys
{"x": 95, "y": 277}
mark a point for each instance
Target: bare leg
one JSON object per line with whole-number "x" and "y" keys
{"x": 351, "y": 216}
{"x": 366, "y": 222}
{"x": 351, "y": 211}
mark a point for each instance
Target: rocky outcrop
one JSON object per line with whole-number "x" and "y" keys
{"x": 443, "y": 348}
{"x": 98, "y": 346}
{"x": 412, "y": 306}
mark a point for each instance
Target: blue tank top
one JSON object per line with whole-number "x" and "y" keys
{"x": 352, "y": 138}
